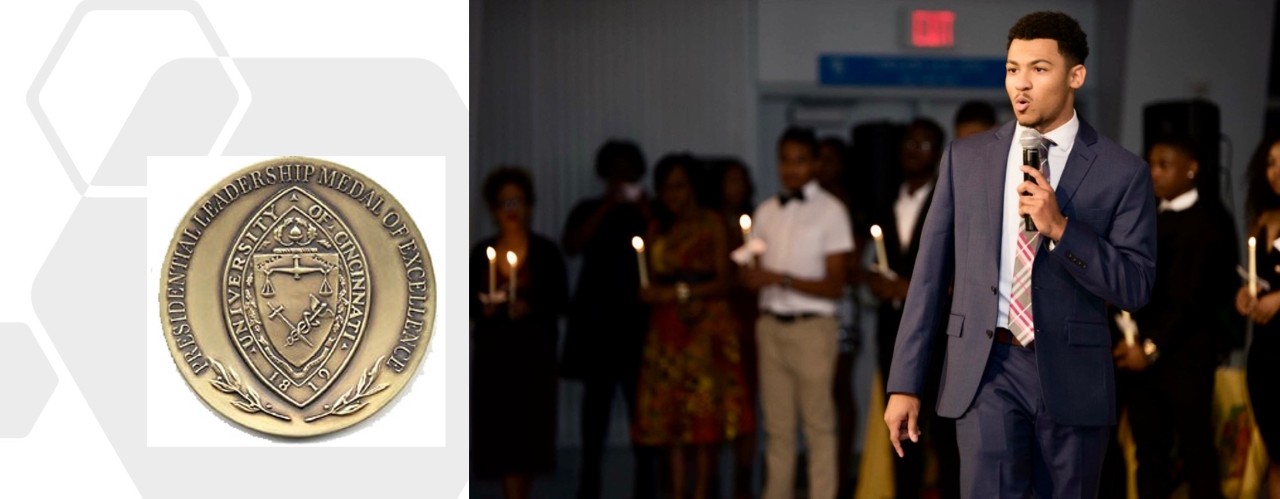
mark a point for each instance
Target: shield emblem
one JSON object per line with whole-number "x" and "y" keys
{"x": 304, "y": 290}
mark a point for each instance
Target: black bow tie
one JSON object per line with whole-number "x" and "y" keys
{"x": 785, "y": 197}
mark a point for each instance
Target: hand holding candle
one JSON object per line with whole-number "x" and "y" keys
{"x": 1253, "y": 267}
{"x": 515, "y": 276}
{"x": 882, "y": 258}
{"x": 493, "y": 270}
{"x": 638, "y": 244}
{"x": 745, "y": 222}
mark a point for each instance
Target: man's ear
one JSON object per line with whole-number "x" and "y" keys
{"x": 1075, "y": 77}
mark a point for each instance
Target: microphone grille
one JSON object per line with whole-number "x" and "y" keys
{"x": 1030, "y": 139}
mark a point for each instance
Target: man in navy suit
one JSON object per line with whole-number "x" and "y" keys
{"x": 1028, "y": 371}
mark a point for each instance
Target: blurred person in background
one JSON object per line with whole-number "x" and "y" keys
{"x": 1166, "y": 376}
{"x": 607, "y": 321}
{"x": 513, "y": 367}
{"x": 735, "y": 199}
{"x": 801, "y": 275}
{"x": 1263, "y": 366}
{"x": 692, "y": 393}
{"x": 901, "y": 223}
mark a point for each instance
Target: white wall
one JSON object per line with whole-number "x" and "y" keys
{"x": 559, "y": 77}
{"x": 1222, "y": 47}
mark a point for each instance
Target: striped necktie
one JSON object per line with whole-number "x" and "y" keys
{"x": 1021, "y": 321}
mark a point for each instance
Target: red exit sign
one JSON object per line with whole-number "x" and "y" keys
{"x": 933, "y": 28}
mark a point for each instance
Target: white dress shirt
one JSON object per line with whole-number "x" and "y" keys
{"x": 799, "y": 236}
{"x": 907, "y": 210}
{"x": 1064, "y": 138}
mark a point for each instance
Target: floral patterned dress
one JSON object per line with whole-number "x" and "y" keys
{"x": 691, "y": 388}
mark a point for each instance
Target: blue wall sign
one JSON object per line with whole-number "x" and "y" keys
{"x": 899, "y": 71}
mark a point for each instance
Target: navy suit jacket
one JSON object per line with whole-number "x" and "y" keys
{"x": 1106, "y": 255}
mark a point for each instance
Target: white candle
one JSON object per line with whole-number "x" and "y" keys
{"x": 1130, "y": 335}
{"x": 493, "y": 270}
{"x": 638, "y": 244}
{"x": 511, "y": 259}
{"x": 744, "y": 221}
{"x": 1253, "y": 267}
{"x": 882, "y": 258}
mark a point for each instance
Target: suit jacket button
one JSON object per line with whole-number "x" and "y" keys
{"x": 995, "y": 290}
{"x": 990, "y": 333}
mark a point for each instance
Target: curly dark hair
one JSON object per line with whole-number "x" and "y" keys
{"x": 503, "y": 176}
{"x": 1072, "y": 42}
{"x": 617, "y": 151}
{"x": 1183, "y": 143}
{"x": 1261, "y": 197}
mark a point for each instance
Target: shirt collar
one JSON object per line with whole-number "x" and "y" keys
{"x": 1182, "y": 202}
{"x": 1063, "y": 137}
{"x": 810, "y": 189}
{"x": 920, "y": 193}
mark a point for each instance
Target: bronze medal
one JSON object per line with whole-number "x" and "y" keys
{"x": 297, "y": 297}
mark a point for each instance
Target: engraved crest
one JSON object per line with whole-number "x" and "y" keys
{"x": 297, "y": 291}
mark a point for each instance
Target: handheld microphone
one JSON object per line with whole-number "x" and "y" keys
{"x": 1030, "y": 142}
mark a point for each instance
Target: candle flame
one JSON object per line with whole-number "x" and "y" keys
{"x": 491, "y": 253}
{"x": 1253, "y": 242}
{"x": 637, "y": 243}
{"x": 745, "y": 222}
{"x": 511, "y": 258}
{"x": 876, "y": 232}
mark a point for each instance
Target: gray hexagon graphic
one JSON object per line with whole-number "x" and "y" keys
{"x": 64, "y": 39}
{"x": 31, "y": 380}
{"x": 347, "y": 107}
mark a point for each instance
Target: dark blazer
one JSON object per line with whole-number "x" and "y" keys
{"x": 901, "y": 262}
{"x": 1106, "y": 255}
{"x": 1191, "y": 312}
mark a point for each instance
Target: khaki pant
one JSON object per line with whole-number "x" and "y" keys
{"x": 797, "y": 369}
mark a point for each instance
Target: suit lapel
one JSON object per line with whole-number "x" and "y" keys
{"x": 1078, "y": 165}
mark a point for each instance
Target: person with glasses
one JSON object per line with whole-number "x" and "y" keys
{"x": 513, "y": 366}
{"x": 902, "y": 220}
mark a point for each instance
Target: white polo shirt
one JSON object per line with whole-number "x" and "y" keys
{"x": 799, "y": 236}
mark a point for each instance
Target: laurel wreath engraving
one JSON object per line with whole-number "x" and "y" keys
{"x": 351, "y": 401}
{"x": 227, "y": 381}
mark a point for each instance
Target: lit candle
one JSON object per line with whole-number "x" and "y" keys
{"x": 511, "y": 259}
{"x": 882, "y": 258}
{"x": 638, "y": 244}
{"x": 1130, "y": 333}
{"x": 493, "y": 270}
{"x": 745, "y": 222}
{"x": 1253, "y": 267}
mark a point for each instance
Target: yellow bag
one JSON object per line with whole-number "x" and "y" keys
{"x": 1241, "y": 455}
{"x": 875, "y": 472}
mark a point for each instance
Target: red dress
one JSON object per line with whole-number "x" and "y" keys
{"x": 691, "y": 388}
